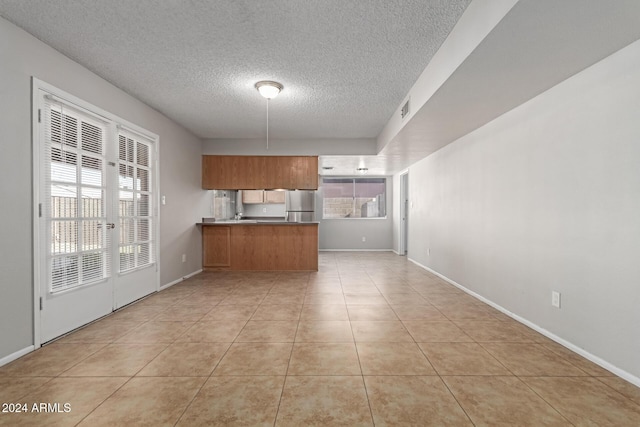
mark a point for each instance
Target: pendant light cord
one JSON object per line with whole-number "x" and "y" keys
{"x": 267, "y": 124}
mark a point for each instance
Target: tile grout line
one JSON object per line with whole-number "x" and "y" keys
{"x": 104, "y": 400}
{"x": 286, "y": 373}
{"x": 355, "y": 345}
{"x": 455, "y": 398}
{"x": 544, "y": 400}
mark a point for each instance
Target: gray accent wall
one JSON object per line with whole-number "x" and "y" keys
{"x": 547, "y": 198}
{"x": 23, "y": 56}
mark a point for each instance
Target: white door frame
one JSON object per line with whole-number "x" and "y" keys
{"x": 38, "y": 85}
{"x": 403, "y": 232}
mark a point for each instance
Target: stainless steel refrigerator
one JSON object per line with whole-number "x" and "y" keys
{"x": 300, "y": 205}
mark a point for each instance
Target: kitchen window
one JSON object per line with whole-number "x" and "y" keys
{"x": 354, "y": 198}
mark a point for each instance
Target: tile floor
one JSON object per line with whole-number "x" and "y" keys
{"x": 370, "y": 339}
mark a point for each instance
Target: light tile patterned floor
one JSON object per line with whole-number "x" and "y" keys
{"x": 370, "y": 339}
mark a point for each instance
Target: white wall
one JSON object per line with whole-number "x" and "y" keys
{"x": 23, "y": 56}
{"x": 547, "y": 197}
{"x": 346, "y": 234}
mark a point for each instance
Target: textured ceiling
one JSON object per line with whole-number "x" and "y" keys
{"x": 345, "y": 64}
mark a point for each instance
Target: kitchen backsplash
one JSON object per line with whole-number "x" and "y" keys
{"x": 226, "y": 203}
{"x": 266, "y": 209}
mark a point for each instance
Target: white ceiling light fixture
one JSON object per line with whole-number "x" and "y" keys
{"x": 362, "y": 170}
{"x": 268, "y": 89}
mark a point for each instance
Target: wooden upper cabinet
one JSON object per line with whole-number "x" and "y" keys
{"x": 217, "y": 172}
{"x": 307, "y": 176}
{"x": 259, "y": 172}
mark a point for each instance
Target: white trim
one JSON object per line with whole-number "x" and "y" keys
{"x": 593, "y": 358}
{"x": 403, "y": 225}
{"x": 175, "y": 282}
{"x": 355, "y": 250}
{"x": 15, "y": 355}
{"x": 156, "y": 206}
{"x": 193, "y": 274}
{"x": 35, "y": 223}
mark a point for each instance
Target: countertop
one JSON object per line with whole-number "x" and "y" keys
{"x": 255, "y": 222}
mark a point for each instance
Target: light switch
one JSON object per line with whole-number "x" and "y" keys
{"x": 555, "y": 299}
{"x": 164, "y": 200}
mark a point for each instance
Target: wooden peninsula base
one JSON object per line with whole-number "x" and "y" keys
{"x": 260, "y": 246}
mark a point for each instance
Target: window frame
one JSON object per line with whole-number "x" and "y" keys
{"x": 354, "y": 178}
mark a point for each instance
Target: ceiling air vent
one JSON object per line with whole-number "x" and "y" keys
{"x": 404, "y": 112}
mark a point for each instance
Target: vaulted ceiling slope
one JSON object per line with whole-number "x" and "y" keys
{"x": 345, "y": 65}
{"x": 538, "y": 44}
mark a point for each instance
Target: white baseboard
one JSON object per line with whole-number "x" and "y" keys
{"x": 175, "y": 282}
{"x": 193, "y": 274}
{"x": 15, "y": 355}
{"x": 355, "y": 250}
{"x": 593, "y": 358}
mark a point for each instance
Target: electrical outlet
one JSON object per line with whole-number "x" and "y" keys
{"x": 184, "y": 257}
{"x": 364, "y": 239}
{"x": 555, "y": 299}
{"x": 264, "y": 210}
{"x": 164, "y": 200}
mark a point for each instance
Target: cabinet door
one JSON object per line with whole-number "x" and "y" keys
{"x": 218, "y": 172}
{"x": 307, "y": 173}
{"x": 274, "y": 196}
{"x": 289, "y": 170}
{"x": 252, "y": 196}
{"x": 247, "y": 173}
{"x": 272, "y": 172}
{"x": 216, "y": 246}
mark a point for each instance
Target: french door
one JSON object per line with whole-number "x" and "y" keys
{"x": 96, "y": 226}
{"x": 135, "y": 220}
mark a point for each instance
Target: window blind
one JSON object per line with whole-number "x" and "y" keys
{"x": 135, "y": 208}
{"x": 75, "y": 208}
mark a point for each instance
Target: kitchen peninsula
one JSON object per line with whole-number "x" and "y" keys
{"x": 253, "y": 245}
{"x": 259, "y": 244}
